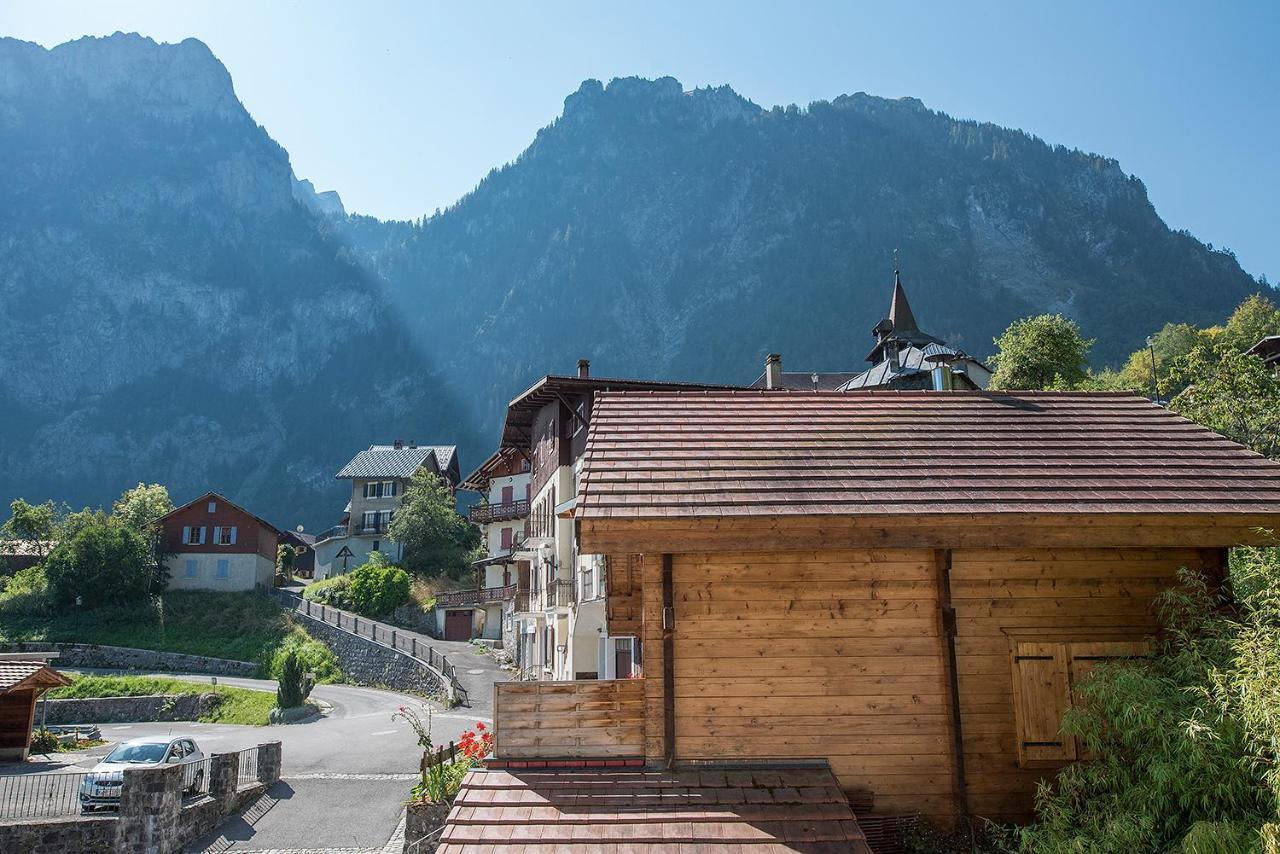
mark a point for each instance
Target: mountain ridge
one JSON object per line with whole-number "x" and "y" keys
{"x": 183, "y": 308}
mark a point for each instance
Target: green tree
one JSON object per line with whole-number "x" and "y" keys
{"x": 294, "y": 683}
{"x": 35, "y": 523}
{"x": 378, "y": 587}
{"x": 1232, "y": 393}
{"x": 1254, "y": 319}
{"x": 105, "y": 562}
{"x": 141, "y": 507}
{"x": 1041, "y": 352}
{"x": 286, "y": 557}
{"x": 436, "y": 539}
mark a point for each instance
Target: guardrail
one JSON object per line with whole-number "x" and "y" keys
{"x": 247, "y": 764}
{"x": 481, "y": 513}
{"x": 396, "y": 639}
{"x": 27, "y": 796}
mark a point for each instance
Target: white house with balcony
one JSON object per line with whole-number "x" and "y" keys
{"x": 487, "y": 609}
{"x": 379, "y": 477}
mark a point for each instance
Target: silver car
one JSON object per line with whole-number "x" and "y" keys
{"x": 100, "y": 788}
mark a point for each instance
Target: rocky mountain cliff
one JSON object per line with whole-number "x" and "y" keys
{"x": 670, "y": 233}
{"x": 179, "y": 307}
{"x": 170, "y": 311}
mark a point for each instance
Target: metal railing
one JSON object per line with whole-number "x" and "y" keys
{"x": 374, "y": 528}
{"x": 195, "y": 777}
{"x": 481, "y": 513}
{"x": 333, "y": 533}
{"x": 247, "y": 766}
{"x": 28, "y": 796}
{"x": 455, "y": 598}
{"x": 391, "y": 637}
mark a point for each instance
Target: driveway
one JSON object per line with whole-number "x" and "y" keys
{"x": 345, "y": 777}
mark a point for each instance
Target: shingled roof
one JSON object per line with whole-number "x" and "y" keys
{"x": 18, "y": 675}
{"x": 750, "y": 453}
{"x": 392, "y": 461}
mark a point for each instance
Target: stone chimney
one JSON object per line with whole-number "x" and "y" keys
{"x": 398, "y": 444}
{"x": 773, "y": 371}
{"x": 584, "y": 368}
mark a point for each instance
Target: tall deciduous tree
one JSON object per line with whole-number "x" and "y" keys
{"x": 105, "y": 562}
{"x": 141, "y": 507}
{"x": 1041, "y": 352}
{"x": 436, "y": 539}
{"x": 1233, "y": 394}
{"x": 33, "y": 523}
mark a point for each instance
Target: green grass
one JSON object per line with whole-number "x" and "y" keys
{"x": 238, "y": 706}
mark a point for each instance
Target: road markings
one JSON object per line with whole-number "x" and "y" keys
{"x": 385, "y": 732}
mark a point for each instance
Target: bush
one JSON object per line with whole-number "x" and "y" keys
{"x": 104, "y": 562}
{"x": 26, "y": 592}
{"x": 295, "y": 684}
{"x": 335, "y": 592}
{"x": 314, "y": 657}
{"x": 44, "y": 742}
{"x": 378, "y": 587}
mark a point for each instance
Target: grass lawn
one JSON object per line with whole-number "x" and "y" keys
{"x": 242, "y": 626}
{"x": 238, "y": 706}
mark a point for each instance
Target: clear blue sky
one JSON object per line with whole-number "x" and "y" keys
{"x": 403, "y": 106}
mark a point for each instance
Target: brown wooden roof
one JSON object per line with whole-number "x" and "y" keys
{"x": 24, "y": 675}
{"x": 747, "y": 811}
{"x": 653, "y": 455}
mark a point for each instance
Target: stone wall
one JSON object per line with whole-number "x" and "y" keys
{"x": 145, "y": 660}
{"x": 119, "y": 710}
{"x": 152, "y": 817}
{"x": 367, "y": 663}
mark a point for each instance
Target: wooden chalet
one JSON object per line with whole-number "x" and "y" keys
{"x": 900, "y": 586}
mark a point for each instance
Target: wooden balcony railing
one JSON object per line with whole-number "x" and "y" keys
{"x": 561, "y": 593}
{"x": 457, "y": 598}
{"x": 482, "y": 513}
{"x": 591, "y": 719}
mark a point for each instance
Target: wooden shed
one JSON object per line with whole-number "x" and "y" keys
{"x": 22, "y": 681}
{"x": 905, "y": 584}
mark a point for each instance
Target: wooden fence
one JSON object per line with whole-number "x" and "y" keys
{"x": 589, "y": 719}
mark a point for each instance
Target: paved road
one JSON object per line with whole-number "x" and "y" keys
{"x": 345, "y": 777}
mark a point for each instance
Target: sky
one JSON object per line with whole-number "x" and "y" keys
{"x": 402, "y": 107}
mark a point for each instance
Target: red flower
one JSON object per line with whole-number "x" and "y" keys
{"x": 480, "y": 726}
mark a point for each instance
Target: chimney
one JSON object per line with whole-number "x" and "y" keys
{"x": 413, "y": 443}
{"x": 773, "y": 371}
{"x": 584, "y": 368}
{"x": 398, "y": 444}
{"x": 891, "y": 353}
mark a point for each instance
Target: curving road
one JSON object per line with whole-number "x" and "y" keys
{"x": 345, "y": 776}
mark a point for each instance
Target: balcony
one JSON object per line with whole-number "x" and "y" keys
{"x": 333, "y": 533}
{"x": 371, "y": 529}
{"x": 561, "y": 593}
{"x": 481, "y": 513}
{"x": 459, "y": 598}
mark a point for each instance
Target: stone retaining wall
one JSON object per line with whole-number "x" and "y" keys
{"x": 366, "y": 663}
{"x": 121, "y": 710}
{"x": 127, "y": 658}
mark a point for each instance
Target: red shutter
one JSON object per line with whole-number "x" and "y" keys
{"x": 506, "y": 538}
{"x": 508, "y": 494}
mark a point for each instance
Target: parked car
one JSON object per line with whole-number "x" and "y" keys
{"x": 100, "y": 788}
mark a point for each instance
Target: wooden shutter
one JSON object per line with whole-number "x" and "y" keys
{"x": 217, "y": 535}
{"x": 1084, "y": 656}
{"x": 201, "y": 535}
{"x": 508, "y": 494}
{"x": 186, "y": 534}
{"x": 233, "y": 535}
{"x": 506, "y": 538}
{"x": 1041, "y": 693}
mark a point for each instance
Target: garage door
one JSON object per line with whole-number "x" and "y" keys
{"x": 457, "y": 625}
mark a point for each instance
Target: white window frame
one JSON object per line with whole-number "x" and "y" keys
{"x": 606, "y": 655}
{"x": 193, "y": 535}
{"x": 225, "y": 536}
{"x": 213, "y": 507}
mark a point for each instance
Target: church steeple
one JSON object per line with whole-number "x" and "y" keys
{"x": 899, "y": 329}
{"x": 900, "y": 310}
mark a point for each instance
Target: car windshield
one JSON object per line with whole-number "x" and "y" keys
{"x": 137, "y": 753}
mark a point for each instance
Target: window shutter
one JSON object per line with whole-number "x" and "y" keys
{"x": 391, "y": 489}
{"x": 1041, "y": 692}
{"x": 233, "y": 535}
{"x": 186, "y": 534}
{"x": 217, "y": 535}
{"x": 506, "y": 538}
{"x": 200, "y": 538}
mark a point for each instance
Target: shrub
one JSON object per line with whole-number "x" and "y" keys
{"x": 104, "y": 562}
{"x": 335, "y": 592}
{"x": 314, "y": 657}
{"x": 378, "y": 587}
{"x": 44, "y": 742}
{"x": 26, "y": 592}
{"x": 295, "y": 684}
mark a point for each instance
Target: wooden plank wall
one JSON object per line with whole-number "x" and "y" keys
{"x": 16, "y": 710}
{"x": 1007, "y": 595}
{"x": 590, "y": 719}
{"x": 623, "y": 605}
{"x": 831, "y": 654}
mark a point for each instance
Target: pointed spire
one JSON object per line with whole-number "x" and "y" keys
{"x": 899, "y": 309}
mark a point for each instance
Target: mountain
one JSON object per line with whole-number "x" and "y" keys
{"x": 686, "y": 234}
{"x": 172, "y": 311}
{"x": 177, "y": 306}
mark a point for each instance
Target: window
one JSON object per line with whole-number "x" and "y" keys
{"x": 224, "y": 569}
{"x": 193, "y": 535}
{"x": 225, "y": 536}
{"x": 618, "y": 657}
{"x": 191, "y": 569}
{"x": 370, "y": 518}
{"x": 1044, "y": 674}
{"x": 213, "y": 507}
{"x": 375, "y": 545}
{"x": 389, "y": 489}
{"x": 380, "y": 489}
